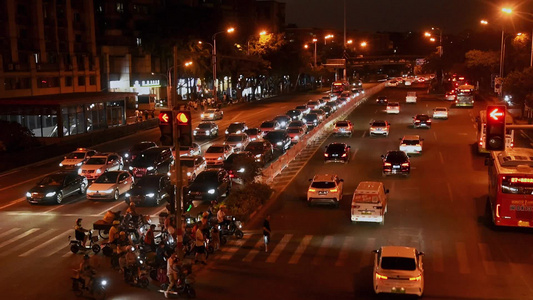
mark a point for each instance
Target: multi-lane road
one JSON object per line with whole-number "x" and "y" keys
{"x": 316, "y": 253}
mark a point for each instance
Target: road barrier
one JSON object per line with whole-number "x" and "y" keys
{"x": 276, "y": 167}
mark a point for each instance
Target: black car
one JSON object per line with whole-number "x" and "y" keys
{"x": 136, "y": 149}
{"x": 283, "y": 121}
{"x": 421, "y": 121}
{"x": 311, "y": 120}
{"x": 396, "y": 162}
{"x": 149, "y": 190}
{"x": 55, "y": 187}
{"x": 237, "y": 163}
{"x": 210, "y": 185}
{"x": 262, "y": 151}
{"x": 295, "y": 114}
{"x": 279, "y": 139}
{"x": 336, "y": 152}
{"x": 155, "y": 160}
{"x": 332, "y": 105}
{"x": 206, "y": 130}
{"x": 327, "y": 110}
{"x": 236, "y": 127}
{"x": 382, "y": 100}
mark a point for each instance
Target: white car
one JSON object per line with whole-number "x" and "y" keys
{"x": 313, "y": 104}
{"x": 76, "y": 158}
{"x": 398, "y": 270}
{"x": 195, "y": 165}
{"x": 212, "y": 114}
{"x": 217, "y": 153}
{"x": 450, "y": 96}
{"x": 193, "y": 150}
{"x": 326, "y": 189}
{"x": 101, "y": 163}
{"x": 379, "y": 127}
{"x": 393, "y": 108}
{"x": 237, "y": 141}
{"x": 440, "y": 113}
{"x": 110, "y": 185}
{"x": 411, "y": 144}
{"x": 392, "y": 83}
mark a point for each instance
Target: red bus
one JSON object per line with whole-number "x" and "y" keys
{"x": 511, "y": 187}
{"x": 338, "y": 87}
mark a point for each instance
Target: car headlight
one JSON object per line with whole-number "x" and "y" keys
{"x": 194, "y": 132}
{"x": 220, "y": 158}
{"x": 108, "y": 191}
{"x": 283, "y": 123}
{"x": 303, "y": 119}
{"x": 238, "y": 132}
{"x": 208, "y": 133}
{"x": 211, "y": 115}
{"x": 296, "y": 137}
{"x": 279, "y": 143}
{"x": 126, "y": 155}
{"x": 28, "y": 194}
{"x": 202, "y": 115}
{"x": 60, "y": 164}
{"x": 79, "y": 164}
{"x": 51, "y": 194}
{"x": 131, "y": 168}
{"x": 150, "y": 168}
{"x": 150, "y": 195}
{"x": 226, "y": 131}
{"x": 79, "y": 171}
{"x": 211, "y": 191}
{"x": 241, "y": 170}
{"x": 127, "y": 195}
{"x": 98, "y": 171}
{"x": 239, "y": 145}
{"x": 104, "y": 282}
{"x": 258, "y": 155}
{"x": 189, "y": 173}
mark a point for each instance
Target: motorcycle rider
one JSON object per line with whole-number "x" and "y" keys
{"x": 114, "y": 232}
{"x": 221, "y": 216}
{"x": 86, "y": 272}
{"x": 123, "y": 242}
{"x": 130, "y": 267}
{"x": 80, "y": 232}
{"x": 149, "y": 238}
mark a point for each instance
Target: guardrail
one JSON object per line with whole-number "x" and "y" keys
{"x": 275, "y": 168}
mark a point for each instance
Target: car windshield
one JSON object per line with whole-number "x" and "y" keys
{"x": 189, "y": 163}
{"x": 234, "y": 127}
{"x": 204, "y": 126}
{"x": 296, "y": 124}
{"x": 207, "y": 177}
{"x": 440, "y": 109}
{"x": 76, "y": 155}
{"x": 282, "y": 118}
{"x": 236, "y": 156}
{"x": 96, "y": 161}
{"x": 378, "y": 124}
{"x": 396, "y": 156}
{"x": 411, "y": 142}
{"x": 215, "y": 149}
{"x": 255, "y": 146}
{"x": 335, "y": 147}
{"x": 317, "y": 111}
{"x": 235, "y": 138}
{"x": 276, "y": 135}
{"x": 252, "y": 131}
{"x": 398, "y": 263}
{"x": 267, "y": 124}
{"x": 312, "y": 103}
{"x": 323, "y": 184}
{"x": 311, "y": 117}
{"x": 147, "y": 157}
{"x": 147, "y": 181}
{"x": 293, "y": 130}
{"x": 301, "y": 107}
{"x": 341, "y": 124}
{"x": 293, "y": 112}
{"x": 109, "y": 177}
{"x": 422, "y": 117}
{"x": 210, "y": 111}
{"x": 394, "y": 104}
{"x": 55, "y": 179}
{"x": 141, "y": 146}
{"x": 382, "y": 98}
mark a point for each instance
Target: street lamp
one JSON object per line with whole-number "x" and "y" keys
{"x": 432, "y": 39}
{"x": 508, "y": 11}
{"x": 427, "y": 34}
{"x": 229, "y": 30}
{"x": 315, "y": 41}
{"x": 363, "y": 44}
{"x": 329, "y": 36}
{"x": 484, "y": 22}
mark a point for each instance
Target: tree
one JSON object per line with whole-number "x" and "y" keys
{"x": 15, "y": 137}
{"x": 520, "y": 85}
{"x": 481, "y": 64}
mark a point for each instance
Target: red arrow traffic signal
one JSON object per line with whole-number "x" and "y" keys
{"x": 496, "y": 114}
{"x": 164, "y": 117}
{"x": 495, "y": 128}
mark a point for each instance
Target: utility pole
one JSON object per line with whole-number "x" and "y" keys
{"x": 174, "y": 92}
{"x": 179, "y": 186}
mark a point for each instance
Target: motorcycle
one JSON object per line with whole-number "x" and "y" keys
{"x": 183, "y": 286}
{"x": 137, "y": 275}
{"x": 76, "y": 245}
{"x": 232, "y": 227}
{"x": 97, "y": 290}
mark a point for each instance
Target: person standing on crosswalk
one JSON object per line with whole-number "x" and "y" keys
{"x": 266, "y": 231}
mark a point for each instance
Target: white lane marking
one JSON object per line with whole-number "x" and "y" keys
{"x": 251, "y": 255}
{"x": 437, "y": 257}
{"x": 441, "y": 158}
{"x": 8, "y": 173}
{"x": 50, "y": 241}
{"x": 343, "y": 254}
{"x": 236, "y": 245}
{"x": 13, "y": 202}
{"x": 364, "y": 133}
{"x": 486, "y": 259}
{"x": 300, "y": 250}
{"x": 8, "y": 232}
{"x": 18, "y": 237}
{"x": 462, "y": 258}
{"x": 450, "y": 194}
{"x": 236, "y": 116}
{"x": 435, "y": 135}
{"x": 103, "y": 212}
{"x": 27, "y": 242}
{"x": 26, "y": 181}
{"x": 354, "y": 153}
{"x": 279, "y": 247}
{"x": 52, "y": 209}
{"x": 326, "y": 244}
{"x": 367, "y": 258}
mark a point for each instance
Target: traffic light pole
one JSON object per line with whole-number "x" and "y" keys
{"x": 178, "y": 187}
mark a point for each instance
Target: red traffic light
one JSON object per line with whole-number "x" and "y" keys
{"x": 182, "y": 118}
{"x": 497, "y": 114}
{"x": 164, "y": 117}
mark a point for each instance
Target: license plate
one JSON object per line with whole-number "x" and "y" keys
{"x": 395, "y": 167}
{"x": 378, "y": 129}
{"x": 323, "y": 193}
{"x": 523, "y": 223}
{"x": 393, "y": 171}
{"x": 398, "y": 291}
{"x": 366, "y": 213}
{"x": 334, "y": 155}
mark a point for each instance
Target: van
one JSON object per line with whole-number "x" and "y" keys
{"x": 411, "y": 97}
{"x": 369, "y": 202}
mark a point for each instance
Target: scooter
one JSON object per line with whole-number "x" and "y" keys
{"x": 97, "y": 290}
{"x": 233, "y": 227}
{"x": 183, "y": 287}
{"x": 76, "y": 245}
{"x": 137, "y": 275}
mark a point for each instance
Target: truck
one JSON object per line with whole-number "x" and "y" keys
{"x": 411, "y": 97}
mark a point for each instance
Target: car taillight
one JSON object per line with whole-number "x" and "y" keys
{"x": 326, "y": 155}
{"x": 333, "y": 190}
{"x": 417, "y": 121}
{"x": 417, "y": 278}
{"x": 344, "y": 155}
{"x": 405, "y": 165}
{"x": 418, "y": 145}
{"x": 428, "y": 121}
{"x": 355, "y": 206}
{"x": 312, "y": 190}
{"x": 387, "y": 164}
{"x": 379, "y": 276}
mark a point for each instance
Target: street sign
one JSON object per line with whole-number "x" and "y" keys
{"x": 495, "y": 128}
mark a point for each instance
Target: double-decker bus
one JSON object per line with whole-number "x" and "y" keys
{"x": 338, "y": 87}
{"x": 482, "y": 129}
{"x": 465, "y": 96}
{"x": 511, "y": 187}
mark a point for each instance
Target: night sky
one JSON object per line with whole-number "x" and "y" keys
{"x": 453, "y": 16}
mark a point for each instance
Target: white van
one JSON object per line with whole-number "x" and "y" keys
{"x": 369, "y": 202}
{"x": 411, "y": 97}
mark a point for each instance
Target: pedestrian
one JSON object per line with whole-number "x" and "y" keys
{"x": 200, "y": 247}
{"x": 266, "y": 232}
{"x": 172, "y": 272}
{"x": 215, "y": 238}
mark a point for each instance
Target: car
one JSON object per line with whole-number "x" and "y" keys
{"x": 110, "y": 185}
{"x": 411, "y": 144}
{"x": 210, "y": 185}
{"x": 254, "y": 133}
{"x": 379, "y": 127}
{"x": 150, "y": 190}
{"x": 212, "y": 114}
{"x": 217, "y": 153}
{"x": 344, "y": 127}
{"x": 268, "y": 126}
{"x": 312, "y": 104}
{"x": 347, "y": 95}
{"x": 321, "y": 102}
{"x": 344, "y": 99}
{"x": 325, "y": 189}
{"x": 236, "y": 163}
{"x": 393, "y": 108}
{"x": 279, "y": 139}
{"x": 56, "y": 187}
{"x": 440, "y": 113}
{"x": 303, "y": 108}
{"x": 326, "y": 98}
{"x": 421, "y": 120}
{"x": 450, "y": 96}
{"x": 332, "y": 105}
{"x": 298, "y": 124}
{"x": 155, "y": 160}
{"x": 311, "y": 120}
{"x": 194, "y": 164}
{"x": 136, "y": 149}
{"x": 340, "y": 103}
{"x": 76, "y": 158}
{"x": 236, "y": 127}
{"x": 206, "y": 130}
{"x": 262, "y": 150}
{"x": 391, "y": 83}
{"x": 295, "y": 114}
{"x": 337, "y": 152}
{"x": 101, "y": 163}
{"x": 192, "y": 150}
{"x": 295, "y": 133}
{"x": 398, "y": 270}
{"x": 382, "y": 100}
{"x": 320, "y": 113}
{"x": 283, "y": 121}
{"x": 237, "y": 141}
{"x": 396, "y": 162}
{"x": 407, "y": 82}
{"x": 327, "y": 110}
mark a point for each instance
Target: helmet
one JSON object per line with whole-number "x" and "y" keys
{"x": 205, "y": 214}
{"x": 132, "y": 204}
{"x": 116, "y": 222}
{"x": 122, "y": 233}
{"x": 78, "y": 221}
{"x": 86, "y": 256}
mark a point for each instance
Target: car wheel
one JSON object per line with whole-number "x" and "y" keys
{"x": 83, "y": 188}
{"x": 116, "y": 195}
{"x": 59, "y": 197}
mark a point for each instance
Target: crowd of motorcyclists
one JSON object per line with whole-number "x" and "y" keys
{"x": 140, "y": 250}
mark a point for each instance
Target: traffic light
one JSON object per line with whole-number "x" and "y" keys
{"x": 495, "y": 128}
{"x": 166, "y": 127}
{"x": 184, "y": 127}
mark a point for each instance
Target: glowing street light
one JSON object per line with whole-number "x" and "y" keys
{"x": 349, "y": 42}
{"x": 484, "y": 22}
{"x": 427, "y": 34}
{"x": 432, "y": 39}
{"x": 263, "y": 32}
{"x": 507, "y": 10}
{"x": 306, "y": 46}
{"x": 329, "y": 36}
{"x": 188, "y": 64}
{"x": 364, "y": 44}
{"x": 229, "y": 30}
